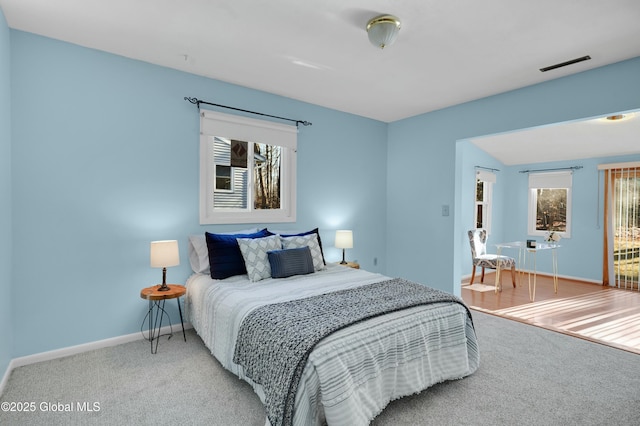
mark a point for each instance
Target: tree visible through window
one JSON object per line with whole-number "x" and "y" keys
{"x": 484, "y": 190}
{"x": 625, "y": 215}
{"x": 234, "y": 171}
{"x": 551, "y": 209}
{"x": 550, "y": 203}
{"x": 266, "y": 172}
{"x": 247, "y": 170}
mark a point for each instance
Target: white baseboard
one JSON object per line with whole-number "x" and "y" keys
{"x": 5, "y": 378}
{"x": 72, "y": 350}
{"x": 566, "y": 277}
{"x": 547, "y": 274}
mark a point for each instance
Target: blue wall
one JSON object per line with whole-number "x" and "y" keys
{"x": 470, "y": 157}
{"x": 105, "y": 155}
{"x": 105, "y": 160}
{"x": 581, "y": 255}
{"x": 427, "y": 247}
{"x": 6, "y": 322}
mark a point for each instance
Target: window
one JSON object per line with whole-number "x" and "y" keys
{"x": 247, "y": 170}
{"x": 223, "y": 178}
{"x": 550, "y": 203}
{"x": 484, "y": 192}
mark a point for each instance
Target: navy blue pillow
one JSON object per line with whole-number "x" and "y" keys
{"x": 313, "y": 231}
{"x": 286, "y": 263}
{"x": 225, "y": 258}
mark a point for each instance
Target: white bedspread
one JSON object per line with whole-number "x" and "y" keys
{"x": 354, "y": 373}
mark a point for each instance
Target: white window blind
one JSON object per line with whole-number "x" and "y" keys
{"x": 550, "y": 180}
{"x": 249, "y": 129}
{"x": 486, "y": 176}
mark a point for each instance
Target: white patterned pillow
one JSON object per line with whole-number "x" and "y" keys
{"x": 254, "y": 252}
{"x": 311, "y": 241}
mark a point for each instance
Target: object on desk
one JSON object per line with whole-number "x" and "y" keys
{"x": 531, "y": 243}
{"x": 552, "y": 237}
{"x": 479, "y": 257}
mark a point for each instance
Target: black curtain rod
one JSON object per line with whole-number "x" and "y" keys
{"x": 487, "y": 168}
{"x": 552, "y": 170}
{"x": 197, "y": 102}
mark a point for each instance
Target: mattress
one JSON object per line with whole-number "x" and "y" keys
{"x": 351, "y": 375}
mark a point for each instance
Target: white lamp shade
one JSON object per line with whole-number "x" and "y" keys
{"x": 164, "y": 254}
{"x": 344, "y": 239}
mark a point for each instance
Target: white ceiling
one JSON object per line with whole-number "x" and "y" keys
{"x": 317, "y": 51}
{"x": 594, "y": 138}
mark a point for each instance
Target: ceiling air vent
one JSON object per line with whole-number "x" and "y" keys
{"x": 564, "y": 64}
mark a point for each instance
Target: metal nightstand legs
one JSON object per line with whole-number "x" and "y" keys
{"x": 155, "y": 324}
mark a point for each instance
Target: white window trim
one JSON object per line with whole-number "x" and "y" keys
{"x": 550, "y": 180}
{"x": 252, "y": 130}
{"x": 489, "y": 178}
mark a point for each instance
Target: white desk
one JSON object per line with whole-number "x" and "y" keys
{"x": 522, "y": 251}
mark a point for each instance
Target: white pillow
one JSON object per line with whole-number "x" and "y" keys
{"x": 311, "y": 241}
{"x": 254, "y": 252}
{"x": 199, "y": 253}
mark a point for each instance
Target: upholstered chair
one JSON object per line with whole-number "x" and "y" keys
{"x": 480, "y": 258}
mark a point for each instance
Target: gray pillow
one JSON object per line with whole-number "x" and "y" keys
{"x": 286, "y": 263}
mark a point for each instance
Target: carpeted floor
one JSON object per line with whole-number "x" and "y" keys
{"x": 528, "y": 376}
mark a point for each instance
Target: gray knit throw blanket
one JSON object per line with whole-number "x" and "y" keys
{"x": 274, "y": 341}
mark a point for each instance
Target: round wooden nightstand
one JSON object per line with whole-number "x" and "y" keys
{"x": 156, "y": 301}
{"x": 152, "y": 293}
{"x": 353, "y": 265}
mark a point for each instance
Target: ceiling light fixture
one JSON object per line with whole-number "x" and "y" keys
{"x": 383, "y": 30}
{"x": 616, "y": 118}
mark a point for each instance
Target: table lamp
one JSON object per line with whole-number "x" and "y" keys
{"x": 164, "y": 254}
{"x": 344, "y": 240}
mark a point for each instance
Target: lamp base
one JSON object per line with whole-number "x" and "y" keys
{"x": 164, "y": 286}
{"x": 343, "y": 261}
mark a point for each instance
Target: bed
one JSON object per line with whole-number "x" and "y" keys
{"x": 351, "y": 373}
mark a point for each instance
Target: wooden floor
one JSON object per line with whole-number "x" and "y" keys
{"x": 600, "y": 314}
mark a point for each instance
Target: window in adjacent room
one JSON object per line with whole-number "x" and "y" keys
{"x": 484, "y": 192}
{"x": 550, "y": 203}
{"x": 247, "y": 170}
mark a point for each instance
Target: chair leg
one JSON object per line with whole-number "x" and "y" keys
{"x": 473, "y": 274}
{"x": 513, "y": 275}
{"x": 482, "y": 276}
